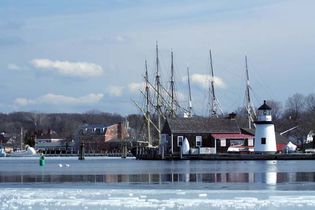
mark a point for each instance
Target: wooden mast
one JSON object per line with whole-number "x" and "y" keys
{"x": 190, "y": 100}
{"x": 248, "y": 103}
{"x": 172, "y": 87}
{"x": 158, "y": 100}
{"x": 214, "y": 104}
{"x": 148, "y": 115}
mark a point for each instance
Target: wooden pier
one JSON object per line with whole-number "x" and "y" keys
{"x": 152, "y": 153}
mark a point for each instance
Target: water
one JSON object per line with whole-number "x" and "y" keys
{"x": 129, "y": 183}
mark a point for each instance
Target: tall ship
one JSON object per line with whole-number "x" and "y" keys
{"x": 174, "y": 132}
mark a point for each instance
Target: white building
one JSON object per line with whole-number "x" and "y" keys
{"x": 309, "y": 137}
{"x": 265, "y": 138}
{"x": 53, "y": 145}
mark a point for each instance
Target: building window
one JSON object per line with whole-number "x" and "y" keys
{"x": 223, "y": 143}
{"x": 198, "y": 141}
{"x": 180, "y": 141}
{"x": 263, "y": 140}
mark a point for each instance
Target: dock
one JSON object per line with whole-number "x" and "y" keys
{"x": 145, "y": 153}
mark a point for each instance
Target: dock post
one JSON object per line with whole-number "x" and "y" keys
{"x": 123, "y": 150}
{"x": 162, "y": 148}
{"x": 81, "y": 151}
{"x": 180, "y": 153}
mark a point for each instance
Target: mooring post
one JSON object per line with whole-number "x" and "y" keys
{"x": 180, "y": 153}
{"x": 162, "y": 148}
{"x": 81, "y": 151}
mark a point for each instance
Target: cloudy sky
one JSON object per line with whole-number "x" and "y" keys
{"x": 80, "y": 55}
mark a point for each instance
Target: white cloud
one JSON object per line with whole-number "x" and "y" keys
{"x": 51, "y": 98}
{"x": 203, "y": 80}
{"x": 13, "y": 66}
{"x": 23, "y": 101}
{"x": 67, "y": 68}
{"x": 136, "y": 86}
{"x": 115, "y": 90}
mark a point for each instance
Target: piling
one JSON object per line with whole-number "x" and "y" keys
{"x": 124, "y": 150}
{"x": 81, "y": 151}
{"x": 181, "y": 153}
{"x": 162, "y": 152}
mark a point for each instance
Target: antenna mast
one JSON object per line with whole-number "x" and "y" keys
{"x": 146, "y": 77}
{"x": 251, "y": 114}
{"x": 214, "y": 102}
{"x": 158, "y": 101}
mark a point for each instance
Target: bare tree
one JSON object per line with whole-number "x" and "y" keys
{"x": 276, "y": 109}
{"x": 295, "y": 106}
{"x": 310, "y": 102}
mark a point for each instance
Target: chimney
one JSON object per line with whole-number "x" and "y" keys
{"x": 232, "y": 116}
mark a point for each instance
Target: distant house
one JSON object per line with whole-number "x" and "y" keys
{"x": 49, "y": 145}
{"x": 3, "y": 138}
{"x": 98, "y": 138}
{"x": 52, "y": 143}
{"x": 7, "y": 141}
{"x": 205, "y": 135}
{"x": 309, "y": 137}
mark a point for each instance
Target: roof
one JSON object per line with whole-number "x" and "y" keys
{"x": 264, "y": 107}
{"x": 231, "y": 136}
{"x": 203, "y": 125}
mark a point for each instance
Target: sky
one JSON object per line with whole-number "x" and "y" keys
{"x": 80, "y": 55}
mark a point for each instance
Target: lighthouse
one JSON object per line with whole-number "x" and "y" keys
{"x": 265, "y": 138}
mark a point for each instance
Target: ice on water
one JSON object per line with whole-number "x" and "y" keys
{"x": 65, "y": 198}
{"x": 106, "y": 183}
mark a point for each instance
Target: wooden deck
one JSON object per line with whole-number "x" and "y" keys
{"x": 153, "y": 154}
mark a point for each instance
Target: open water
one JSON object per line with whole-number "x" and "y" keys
{"x": 115, "y": 183}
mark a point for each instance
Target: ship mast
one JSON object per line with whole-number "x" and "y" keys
{"x": 251, "y": 114}
{"x": 172, "y": 87}
{"x": 214, "y": 101}
{"x": 190, "y": 100}
{"x": 147, "y": 93}
{"x": 158, "y": 100}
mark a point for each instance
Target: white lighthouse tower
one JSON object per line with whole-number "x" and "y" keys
{"x": 265, "y": 138}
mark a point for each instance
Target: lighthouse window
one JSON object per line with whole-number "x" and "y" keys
{"x": 180, "y": 141}
{"x": 263, "y": 140}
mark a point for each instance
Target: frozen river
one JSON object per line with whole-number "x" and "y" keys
{"x": 115, "y": 183}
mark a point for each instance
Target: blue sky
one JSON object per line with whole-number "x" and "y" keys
{"x": 75, "y": 55}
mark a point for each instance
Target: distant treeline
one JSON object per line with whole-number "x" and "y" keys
{"x": 62, "y": 123}
{"x": 298, "y": 110}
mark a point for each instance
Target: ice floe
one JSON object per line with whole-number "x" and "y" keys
{"x": 52, "y": 198}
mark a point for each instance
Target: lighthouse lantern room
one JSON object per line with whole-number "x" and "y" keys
{"x": 265, "y": 138}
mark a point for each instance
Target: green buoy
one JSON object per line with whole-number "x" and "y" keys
{"x": 42, "y": 160}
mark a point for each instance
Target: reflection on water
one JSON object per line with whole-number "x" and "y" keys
{"x": 270, "y": 178}
{"x": 130, "y": 173}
